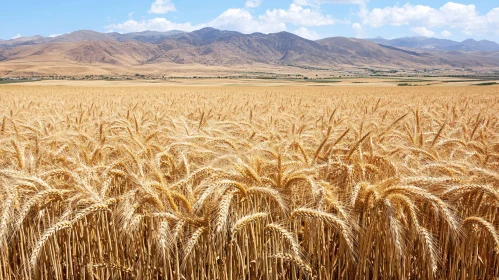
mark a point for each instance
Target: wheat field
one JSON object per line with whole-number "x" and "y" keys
{"x": 249, "y": 183}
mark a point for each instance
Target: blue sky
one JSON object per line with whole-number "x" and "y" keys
{"x": 312, "y": 19}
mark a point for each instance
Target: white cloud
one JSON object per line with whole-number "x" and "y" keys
{"x": 252, "y": 3}
{"x": 155, "y": 24}
{"x": 358, "y": 29}
{"x": 130, "y": 15}
{"x": 423, "y": 31}
{"x": 16, "y": 37}
{"x": 307, "y": 34}
{"x": 450, "y": 15}
{"x": 446, "y": 34}
{"x": 271, "y": 21}
{"x": 493, "y": 19}
{"x": 162, "y": 7}
{"x": 242, "y": 20}
{"x": 397, "y": 16}
{"x": 239, "y": 19}
{"x": 320, "y": 2}
{"x": 55, "y": 35}
{"x": 298, "y": 15}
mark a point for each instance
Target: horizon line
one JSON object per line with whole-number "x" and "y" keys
{"x": 284, "y": 31}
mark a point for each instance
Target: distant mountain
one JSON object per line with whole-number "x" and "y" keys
{"x": 91, "y": 36}
{"x": 152, "y": 37}
{"x": 81, "y": 36}
{"x": 21, "y": 41}
{"x": 424, "y": 43}
{"x": 209, "y": 46}
{"x": 483, "y": 45}
{"x": 357, "y": 51}
{"x": 216, "y": 47}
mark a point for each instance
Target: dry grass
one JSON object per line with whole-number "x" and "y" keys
{"x": 248, "y": 183}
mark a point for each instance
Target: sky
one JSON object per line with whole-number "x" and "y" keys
{"x": 312, "y": 19}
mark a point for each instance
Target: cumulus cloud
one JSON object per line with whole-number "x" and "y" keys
{"x": 16, "y": 37}
{"x": 253, "y": 3}
{"x": 358, "y": 30}
{"x": 55, "y": 35}
{"x": 155, "y": 24}
{"x": 307, "y": 33}
{"x": 493, "y": 19}
{"x": 271, "y": 21}
{"x": 243, "y": 21}
{"x": 239, "y": 19}
{"x": 423, "y": 31}
{"x": 450, "y": 15}
{"x": 162, "y": 7}
{"x": 446, "y": 34}
{"x": 320, "y": 2}
{"x": 298, "y": 15}
{"x": 397, "y": 16}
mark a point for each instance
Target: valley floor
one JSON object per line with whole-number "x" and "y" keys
{"x": 403, "y": 82}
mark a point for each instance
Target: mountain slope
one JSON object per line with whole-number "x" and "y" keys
{"x": 81, "y": 36}
{"x": 215, "y": 47}
{"x": 152, "y": 37}
{"x": 210, "y": 46}
{"x": 357, "y": 51}
{"x": 88, "y": 52}
{"x": 4, "y": 44}
{"x": 93, "y": 36}
{"x": 425, "y": 43}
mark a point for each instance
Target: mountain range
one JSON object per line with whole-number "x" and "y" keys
{"x": 425, "y": 43}
{"x": 89, "y": 35}
{"x": 110, "y": 52}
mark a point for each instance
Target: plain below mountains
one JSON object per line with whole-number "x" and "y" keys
{"x": 210, "y": 46}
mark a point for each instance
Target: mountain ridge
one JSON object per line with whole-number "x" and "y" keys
{"x": 213, "y": 47}
{"x": 90, "y": 35}
{"x": 426, "y": 43}
{"x": 416, "y": 42}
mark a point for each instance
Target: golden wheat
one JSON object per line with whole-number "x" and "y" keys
{"x": 249, "y": 183}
